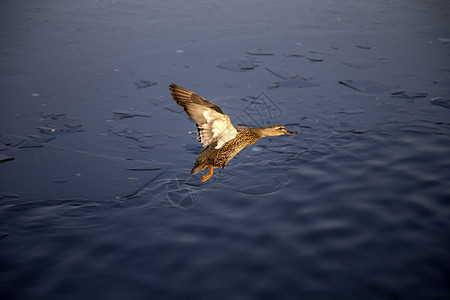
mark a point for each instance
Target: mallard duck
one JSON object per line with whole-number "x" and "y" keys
{"x": 220, "y": 138}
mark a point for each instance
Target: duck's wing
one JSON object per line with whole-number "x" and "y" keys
{"x": 212, "y": 124}
{"x": 183, "y": 96}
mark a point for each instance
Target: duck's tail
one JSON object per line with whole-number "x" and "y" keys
{"x": 198, "y": 167}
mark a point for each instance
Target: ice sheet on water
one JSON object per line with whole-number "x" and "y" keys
{"x": 239, "y": 64}
{"x": 259, "y": 110}
{"x": 242, "y": 182}
{"x": 59, "y": 123}
{"x": 150, "y": 186}
{"x": 183, "y": 191}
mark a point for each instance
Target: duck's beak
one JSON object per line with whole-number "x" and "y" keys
{"x": 288, "y": 132}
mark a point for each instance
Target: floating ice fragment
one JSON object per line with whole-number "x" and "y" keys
{"x": 35, "y": 95}
{"x": 73, "y": 123}
{"x": 11, "y": 141}
{"x": 365, "y": 86}
{"x": 315, "y": 59}
{"x": 143, "y": 169}
{"x": 257, "y": 148}
{"x": 8, "y": 195}
{"x": 144, "y": 83}
{"x": 179, "y": 51}
{"x": 60, "y": 123}
{"x": 348, "y": 83}
{"x": 230, "y": 85}
{"x": 408, "y": 95}
{"x": 281, "y": 73}
{"x": 129, "y": 113}
{"x": 46, "y": 129}
{"x": 356, "y": 131}
{"x": 259, "y": 52}
{"x": 258, "y": 189}
{"x": 31, "y": 144}
{"x": 60, "y": 180}
{"x": 52, "y": 115}
{"x": 293, "y": 55}
{"x": 40, "y": 139}
{"x": 440, "y": 101}
{"x": 293, "y": 83}
{"x": 4, "y": 157}
{"x": 360, "y": 64}
{"x": 350, "y": 112}
{"x": 239, "y": 64}
{"x": 444, "y": 40}
{"x": 127, "y": 132}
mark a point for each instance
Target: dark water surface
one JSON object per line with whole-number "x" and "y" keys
{"x": 96, "y": 200}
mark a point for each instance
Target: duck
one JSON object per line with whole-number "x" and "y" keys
{"x": 221, "y": 140}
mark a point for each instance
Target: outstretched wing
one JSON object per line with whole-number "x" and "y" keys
{"x": 183, "y": 96}
{"x": 213, "y": 125}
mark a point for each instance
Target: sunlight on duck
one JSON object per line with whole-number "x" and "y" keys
{"x": 220, "y": 138}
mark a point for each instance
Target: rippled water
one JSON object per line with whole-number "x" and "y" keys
{"x": 98, "y": 201}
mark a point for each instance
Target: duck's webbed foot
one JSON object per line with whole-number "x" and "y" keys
{"x": 207, "y": 176}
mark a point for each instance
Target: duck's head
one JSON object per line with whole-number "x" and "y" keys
{"x": 275, "y": 130}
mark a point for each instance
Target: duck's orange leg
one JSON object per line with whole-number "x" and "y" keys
{"x": 207, "y": 176}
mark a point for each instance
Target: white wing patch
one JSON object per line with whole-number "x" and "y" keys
{"x": 220, "y": 126}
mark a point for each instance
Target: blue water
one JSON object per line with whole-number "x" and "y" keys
{"x": 101, "y": 205}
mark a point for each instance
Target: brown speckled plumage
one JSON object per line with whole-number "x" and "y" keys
{"x": 221, "y": 140}
{"x": 220, "y": 157}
